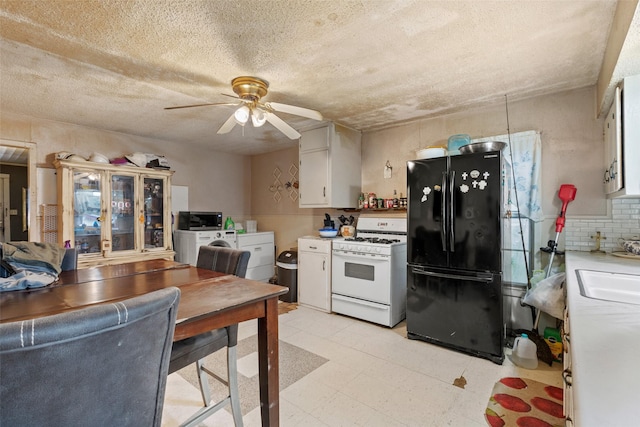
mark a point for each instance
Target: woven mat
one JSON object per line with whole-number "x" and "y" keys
{"x": 295, "y": 363}
{"x": 523, "y": 402}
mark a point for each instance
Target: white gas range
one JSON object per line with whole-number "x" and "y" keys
{"x": 369, "y": 272}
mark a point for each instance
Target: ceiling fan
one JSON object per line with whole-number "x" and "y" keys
{"x": 250, "y": 90}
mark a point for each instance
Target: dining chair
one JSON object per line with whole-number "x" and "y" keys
{"x": 193, "y": 350}
{"x": 70, "y": 259}
{"x": 104, "y": 365}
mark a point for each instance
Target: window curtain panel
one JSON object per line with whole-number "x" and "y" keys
{"x": 526, "y": 148}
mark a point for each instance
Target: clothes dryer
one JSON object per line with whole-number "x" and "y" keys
{"x": 187, "y": 243}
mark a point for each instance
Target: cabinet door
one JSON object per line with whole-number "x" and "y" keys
{"x": 613, "y": 147}
{"x": 314, "y": 178}
{"x": 88, "y": 211}
{"x": 313, "y": 279}
{"x": 123, "y": 213}
{"x": 154, "y": 203}
{"x": 315, "y": 139}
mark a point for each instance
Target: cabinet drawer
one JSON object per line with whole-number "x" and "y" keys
{"x": 314, "y": 245}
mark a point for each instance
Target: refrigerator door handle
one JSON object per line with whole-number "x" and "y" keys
{"x": 485, "y": 279}
{"x": 443, "y": 216}
{"x": 452, "y": 210}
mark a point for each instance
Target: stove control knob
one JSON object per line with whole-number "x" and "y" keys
{"x": 377, "y": 250}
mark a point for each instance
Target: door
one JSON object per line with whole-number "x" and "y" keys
{"x": 366, "y": 277}
{"x": 123, "y": 213}
{"x": 314, "y": 275}
{"x": 474, "y": 232}
{"x": 154, "y": 212}
{"x": 426, "y": 233}
{"x": 314, "y": 178}
{"x": 88, "y": 211}
{"x": 456, "y": 309}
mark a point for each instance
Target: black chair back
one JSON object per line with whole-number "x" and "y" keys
{"x": 224, "y": 260}
{"x": 104, "y": 365}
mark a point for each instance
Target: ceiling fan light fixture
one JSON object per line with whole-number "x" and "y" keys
{"x": 258, "y": 118}
{"x": 242, "y": 115}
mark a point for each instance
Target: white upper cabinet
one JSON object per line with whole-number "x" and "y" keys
{"x": 622, "y": 141}
{"x": 330, "y": 167}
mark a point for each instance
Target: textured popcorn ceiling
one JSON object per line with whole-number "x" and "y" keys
{"x": 367, "y": 64}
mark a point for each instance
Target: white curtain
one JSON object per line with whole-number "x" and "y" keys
{"x": 525, "y": 150}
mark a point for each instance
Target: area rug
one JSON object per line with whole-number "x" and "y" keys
{"x": 295, "y": 363}
{"x": 523, "y": 402}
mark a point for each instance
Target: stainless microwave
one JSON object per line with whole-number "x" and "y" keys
{"x": 190, "y": 220}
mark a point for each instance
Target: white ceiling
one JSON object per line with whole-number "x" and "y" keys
{"x": 368, "y": 64}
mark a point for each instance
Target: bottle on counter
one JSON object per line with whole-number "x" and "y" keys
{"x": 361, "y": 201}
{"x": 396, "y": 202}
{"x": 373, "y": 201}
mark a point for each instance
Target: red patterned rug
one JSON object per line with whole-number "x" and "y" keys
{"x": 523, "y": 402}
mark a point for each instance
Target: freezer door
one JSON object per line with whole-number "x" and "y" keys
{"x": 475, "y": 212}
{"x": 456, "y": 310}
{"x": 426, "y": 227}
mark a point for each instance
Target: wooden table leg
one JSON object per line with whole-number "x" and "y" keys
{"x": 268, "y": 365}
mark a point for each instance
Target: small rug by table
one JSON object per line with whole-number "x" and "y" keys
{"x": 524, "y": 403}
{"x": 295, "y": 363}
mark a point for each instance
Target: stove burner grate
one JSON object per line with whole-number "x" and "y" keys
{"x": 372, "y": 240}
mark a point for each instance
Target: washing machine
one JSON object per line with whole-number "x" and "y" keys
{"x": 187, "y": 243}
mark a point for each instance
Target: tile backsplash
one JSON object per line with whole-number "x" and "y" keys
{"x": 624, "y": 222}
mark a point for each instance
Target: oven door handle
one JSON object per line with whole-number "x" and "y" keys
{"x": 367, "y": 257}
{"x": 485, "y": 279}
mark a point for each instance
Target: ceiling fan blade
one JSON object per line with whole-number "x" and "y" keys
{"x": 279, "y": 124}
{"x": 298, "y": 111}
{"x": 228, "y": 125}
{"x": 199, "y": 105}
{"x": 230, "y": 96}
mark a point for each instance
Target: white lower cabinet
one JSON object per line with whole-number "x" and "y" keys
{"x": 262, "y": 260}
{"x": 566, "y": 373}
{"x": 314, "y": 273}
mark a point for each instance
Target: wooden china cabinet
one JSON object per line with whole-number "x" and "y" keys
{"x": 114, "y": 214}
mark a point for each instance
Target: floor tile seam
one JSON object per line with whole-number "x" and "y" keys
{"x": 299, "y": 408}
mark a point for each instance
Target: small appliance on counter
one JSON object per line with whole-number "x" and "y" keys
{"x": 199, "y": 221}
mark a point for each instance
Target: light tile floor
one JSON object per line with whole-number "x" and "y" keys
{"x": 375, "y": 376}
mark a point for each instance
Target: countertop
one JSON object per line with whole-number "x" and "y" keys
{"x": 605, "y": 347}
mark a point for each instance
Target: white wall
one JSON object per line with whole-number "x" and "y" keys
{"x": 217, "y": 181}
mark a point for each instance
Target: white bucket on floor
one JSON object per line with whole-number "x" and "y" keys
{"x": 524, "y": 352}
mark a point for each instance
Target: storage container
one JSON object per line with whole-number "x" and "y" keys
{"x": 456, "y": 141}
{"x": 524, "y": 352}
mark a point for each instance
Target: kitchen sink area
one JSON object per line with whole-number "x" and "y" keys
{"x": 603, "y": 294}
{"x": 609, "y": 286}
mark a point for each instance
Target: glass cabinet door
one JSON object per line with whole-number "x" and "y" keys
{"x": 154, "y": 190}
{"x": 123, "y": 224}
{"x": 87, "y": 211}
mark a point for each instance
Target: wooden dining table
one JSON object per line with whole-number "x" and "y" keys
{"x": 208, "y": 300}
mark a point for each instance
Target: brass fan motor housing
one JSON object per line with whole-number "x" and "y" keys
{"x": 250, "y": 88}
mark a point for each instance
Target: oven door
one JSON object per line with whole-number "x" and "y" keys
{"x": 361, "y": 276}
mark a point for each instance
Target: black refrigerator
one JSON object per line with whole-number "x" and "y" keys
{"x": 454, "y": 289}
